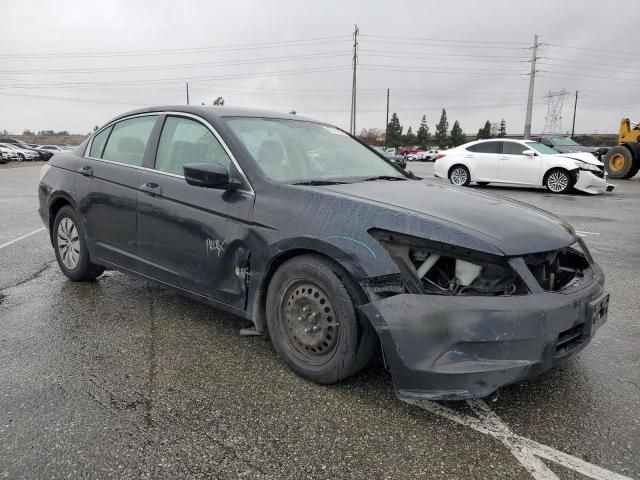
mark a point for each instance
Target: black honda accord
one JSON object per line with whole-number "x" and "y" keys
{"x": 326, "y": 247}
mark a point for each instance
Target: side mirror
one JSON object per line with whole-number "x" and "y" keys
{"x": 209, "y": 175}
{"x": 530, "y": 153}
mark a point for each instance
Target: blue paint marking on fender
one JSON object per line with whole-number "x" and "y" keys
{"x": 353, "y": 240}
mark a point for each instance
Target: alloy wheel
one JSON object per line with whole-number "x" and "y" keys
{"x": 459, "y": 176}
{"x": 558, "y": 182}
{"x": 68, "y": 243}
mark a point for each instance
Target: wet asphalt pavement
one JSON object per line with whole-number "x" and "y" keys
{"x": 122, "y": 379}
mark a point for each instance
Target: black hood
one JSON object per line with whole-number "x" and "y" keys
{"x": 511, "y": 227}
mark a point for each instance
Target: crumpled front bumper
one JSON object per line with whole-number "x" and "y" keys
{"x": 589, "y": 183}
{"x": 458, "y": 347}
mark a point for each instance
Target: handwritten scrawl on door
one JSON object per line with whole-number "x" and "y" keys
{"x": 214, "y": 246}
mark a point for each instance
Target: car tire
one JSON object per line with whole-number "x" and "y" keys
{"x": 558, "y": 180}
{"x": 70, "y": 246}
{"x": 459, "y": 175}
{"x": 20, "y": 157}
{"x": 313, "y": 321}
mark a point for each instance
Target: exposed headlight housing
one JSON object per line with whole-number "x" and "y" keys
{"x": 435, "y": 268}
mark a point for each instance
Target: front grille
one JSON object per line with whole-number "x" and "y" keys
{"x": 558, "y": 269}
{"x": 569, "y": 339}
{"x": 599, "y": 173}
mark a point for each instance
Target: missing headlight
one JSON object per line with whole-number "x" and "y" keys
{"x": 432, "y": 267}
{"x": 446, "y": 274}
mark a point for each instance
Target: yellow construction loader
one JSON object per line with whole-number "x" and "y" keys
{"x": 623, "y": 160}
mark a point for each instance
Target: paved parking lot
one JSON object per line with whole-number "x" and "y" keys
{"x": 122, "y": 379}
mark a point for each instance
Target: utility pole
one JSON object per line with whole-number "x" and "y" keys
{"x": 187, "y": 93}
{"x": 532, "y": 76}
{"x": 352, "y": 126}
{"x": 386, "y": 125}
{"x": 575, "y": 106}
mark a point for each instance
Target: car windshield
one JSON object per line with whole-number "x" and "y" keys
{"x": 564, "y": 142}
{"x": 541, "y": 148}
{"x": 295, "y": 151}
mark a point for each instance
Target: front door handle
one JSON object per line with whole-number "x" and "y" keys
{"x": 504, "y": 158}
{"x": 468, "y": 156}
{"x": 151, "y": 188}
{"x": 87, "y": 171}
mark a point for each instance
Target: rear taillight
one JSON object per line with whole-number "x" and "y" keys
{"x": 44, "y": 170}
{"x": 440, "y": 155}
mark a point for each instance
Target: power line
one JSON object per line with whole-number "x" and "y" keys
{"x": 248, "y": 61}
{"x": 182, "y": 79}
{"x": 128, "y": 53}
{"x": 444, "y": 40}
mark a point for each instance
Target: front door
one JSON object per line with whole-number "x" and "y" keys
{"x": 515, "y": 167}
{"x": 191, "y": 237}
{"x": 106, "y": 189}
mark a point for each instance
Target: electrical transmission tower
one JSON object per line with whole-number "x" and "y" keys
{"x": 553, "y": 118}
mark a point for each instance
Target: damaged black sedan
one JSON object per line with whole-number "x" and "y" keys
{"x": 327, "y": 247}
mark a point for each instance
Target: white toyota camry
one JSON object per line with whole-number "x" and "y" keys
{"x": 523, "y": 162}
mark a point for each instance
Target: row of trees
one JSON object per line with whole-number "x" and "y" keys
{"x": 423, "y": 137}
{"x": 49, "y": 133}
{"x": 491, "y": 130}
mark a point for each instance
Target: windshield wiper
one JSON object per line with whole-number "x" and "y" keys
{"x": 319, "y": 182}
{"x": 382, "y": 177}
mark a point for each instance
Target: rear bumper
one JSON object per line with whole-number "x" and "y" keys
{"x": 456, "y": 347}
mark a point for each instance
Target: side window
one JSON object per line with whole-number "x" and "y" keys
{"x": 128, "y": 140}
{"x": 485, "y": 147}
{"x": 186, "y": 141}
{"x": 97, "y": 144}
{"x": 512, "y": 148}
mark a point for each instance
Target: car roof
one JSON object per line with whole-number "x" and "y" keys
{"x": 216, "y": 112}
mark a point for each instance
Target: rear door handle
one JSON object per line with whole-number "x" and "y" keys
{"x": 468, "y": 156}
{"x": 87, "y": 171}
{"x": 151, "y": 188}
{"x": 504, "y": 158}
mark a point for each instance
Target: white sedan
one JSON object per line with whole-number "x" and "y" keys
{"x": 523, "y": 162}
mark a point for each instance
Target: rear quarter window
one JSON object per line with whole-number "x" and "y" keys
{"x": 97, "y": 144}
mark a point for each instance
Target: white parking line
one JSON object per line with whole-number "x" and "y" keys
{"x": 21, "y": 238}
{"x": 527, "y": 452}
{"x": 584, "y": 234}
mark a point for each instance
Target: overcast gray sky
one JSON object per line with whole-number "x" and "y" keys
{"x": 73, "y": 64}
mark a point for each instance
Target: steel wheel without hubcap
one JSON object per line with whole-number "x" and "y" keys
{"x": 558, "y": 182}
{"x": 68, "y": 243}
{"x": 311, "y": 329}
{"x": 459, "y": 176}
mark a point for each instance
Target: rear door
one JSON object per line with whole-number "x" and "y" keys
{"x": 106, "y": 189}
{"x": 482, "y": 160}
{"x": 515, "y": 167}
{"x": 192, "y": 237}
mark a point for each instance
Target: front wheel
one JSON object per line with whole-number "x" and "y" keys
{"x": 459, "y": 175}
{"x": 20, "y": 157}
{"x": 313, "y": 322}
{"x": 71, "y": 249}
{"x": 558, "y": 181}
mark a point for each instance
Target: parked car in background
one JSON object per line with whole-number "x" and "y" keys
{"x": 22, "y": 153}
{"x": 52, "y": 148}
{"x": 569, "y": 145}
{"x": 523, "y": 162}
{"x": 7, "y": 153}
{"x": 389, "y": 153}
{"x": 42, "y": 154}
{"x": 330, "y": 256}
